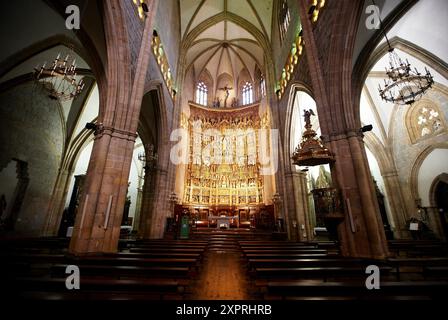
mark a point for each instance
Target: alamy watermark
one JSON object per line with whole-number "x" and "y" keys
{"x": 72, "y": 282}
{"x": 73, "y": 21}
{"x": 373, "y": 20}
{"x": 227, "y": 147}
{"x": 373, "y": 280}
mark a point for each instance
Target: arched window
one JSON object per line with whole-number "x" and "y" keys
{"x": 284, "y": 18}
{"x": 201, "y": 93}
{"x": 248, "y": 94}
{"x": 424, "y": 120}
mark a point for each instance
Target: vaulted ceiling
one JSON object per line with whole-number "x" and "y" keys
{"x": 223, "y": 36}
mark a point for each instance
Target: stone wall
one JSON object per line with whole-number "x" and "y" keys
{"x": 406, "y": 154}
{"x": 31, "y": 130}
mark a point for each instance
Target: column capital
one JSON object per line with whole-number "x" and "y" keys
{"x": 342, "y": 136}
{"x": 103, "y": 130}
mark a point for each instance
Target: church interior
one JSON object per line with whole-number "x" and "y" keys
{"x": 224, "y": 150}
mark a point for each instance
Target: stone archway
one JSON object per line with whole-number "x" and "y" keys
{"x": 413, "y": 178}
{"x": 439, "y": 200}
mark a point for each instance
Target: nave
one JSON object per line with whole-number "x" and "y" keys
{"x": 223, "y": 265}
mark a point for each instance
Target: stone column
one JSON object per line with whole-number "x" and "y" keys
{"x": 57, "y": 203}
{"x": 361, "y": 233}
{"x": 397, "y": 204}
{"x": 291, "y": 205}
{"x": 138, "y": 208}
{"x": 147, "y": 204}
{"x": 161, "y": 205}
{"x": 97, "y": 227}
{"x": 299, "y": 223}
{"x": 303, "y": 211}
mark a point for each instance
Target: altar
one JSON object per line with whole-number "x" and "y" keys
{"x": 224, "y": 222}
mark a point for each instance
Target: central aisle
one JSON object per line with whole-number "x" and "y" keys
{"x": 223, "y": 276}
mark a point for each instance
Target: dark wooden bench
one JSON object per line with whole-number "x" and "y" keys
{"x": 167, "y": 250}
{"x": 415, "y": 267}
{"x": 106, "y": 260}
{"x": 170, "y": 245}
{"x": 74, "y": 295}
{"x": 270, "y": 247}
{"x": 418, "y": 248}
{"x": 164, "y": 243}
{"x": 324, "y": 273}
{"x": 34, "y": 257}
{"x": 292, "y": 263}
{"x": 175, "y": 255}
{"x": 118, "y": 272}
{"x": 435, "y": 272}
{"x": 159, "y": 287}
{"x": 275, "y": 243}
{"x": 284, "y": 251}
{"x": 433, "y": 289}
{"x": 288, "y": 256}
{"x": 109, "y": 260}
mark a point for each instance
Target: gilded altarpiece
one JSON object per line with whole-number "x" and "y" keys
{"x": 224, "y": 167}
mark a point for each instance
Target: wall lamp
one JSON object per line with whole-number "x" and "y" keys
{"x": 366, "y": 128}
{"x": 91, "y": 126}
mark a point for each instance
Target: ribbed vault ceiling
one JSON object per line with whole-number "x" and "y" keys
{"x": 225, "y": 41}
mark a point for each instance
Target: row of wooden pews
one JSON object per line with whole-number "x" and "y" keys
{"x": 314, "y": 271}
{"x": 141, "y": 270}
{"x": 418, "y": 248}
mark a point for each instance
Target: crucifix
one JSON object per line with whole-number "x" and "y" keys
{"x": 227, "y": 90}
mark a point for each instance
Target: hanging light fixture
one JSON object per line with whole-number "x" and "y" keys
{"x": 405, "y": 85}
{"x": 59, "y": 79}
{"x": 311, "y": 151}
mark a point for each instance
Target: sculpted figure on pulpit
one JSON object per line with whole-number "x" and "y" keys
{"x": 307, "y": 116}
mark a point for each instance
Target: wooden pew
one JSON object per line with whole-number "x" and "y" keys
{"x": 287, "y": 256}
{"x": 414, "y": 268}
{"x": 120, "y": 272}
{"x": 388, "y": 289}
{"x": 284, "y": 251}
{"x": 275, "y": 243}
{"x": 299, "y": 263}
{"x": 157, "y": 288}
{"x": 271, "y": 247}
{"x": 175, "y": 255}
{"x": 319, "y": 273}
{"x": 418, "y": 248}
{"x": 167, "y": 250}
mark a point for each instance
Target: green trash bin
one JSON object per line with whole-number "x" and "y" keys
{"x": 184, "y": 228}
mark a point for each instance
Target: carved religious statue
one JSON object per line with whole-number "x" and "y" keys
{"x": 227, "y": 89}
{"x": 307, "y": 116}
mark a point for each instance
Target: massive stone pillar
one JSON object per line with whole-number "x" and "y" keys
{"x": 396, "y": 203}
{"x": 97, "y": 227}
{"x": 147, "y": 204}
{"x": 161, "y": 205}
{"x": 138, "y": 208}
{"x": 300, "y": 228}
{"x": 361, "y": 233}
{"x": 57, "y": 202}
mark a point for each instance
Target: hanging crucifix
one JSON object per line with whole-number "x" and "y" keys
{"x": 227, "y": 90}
